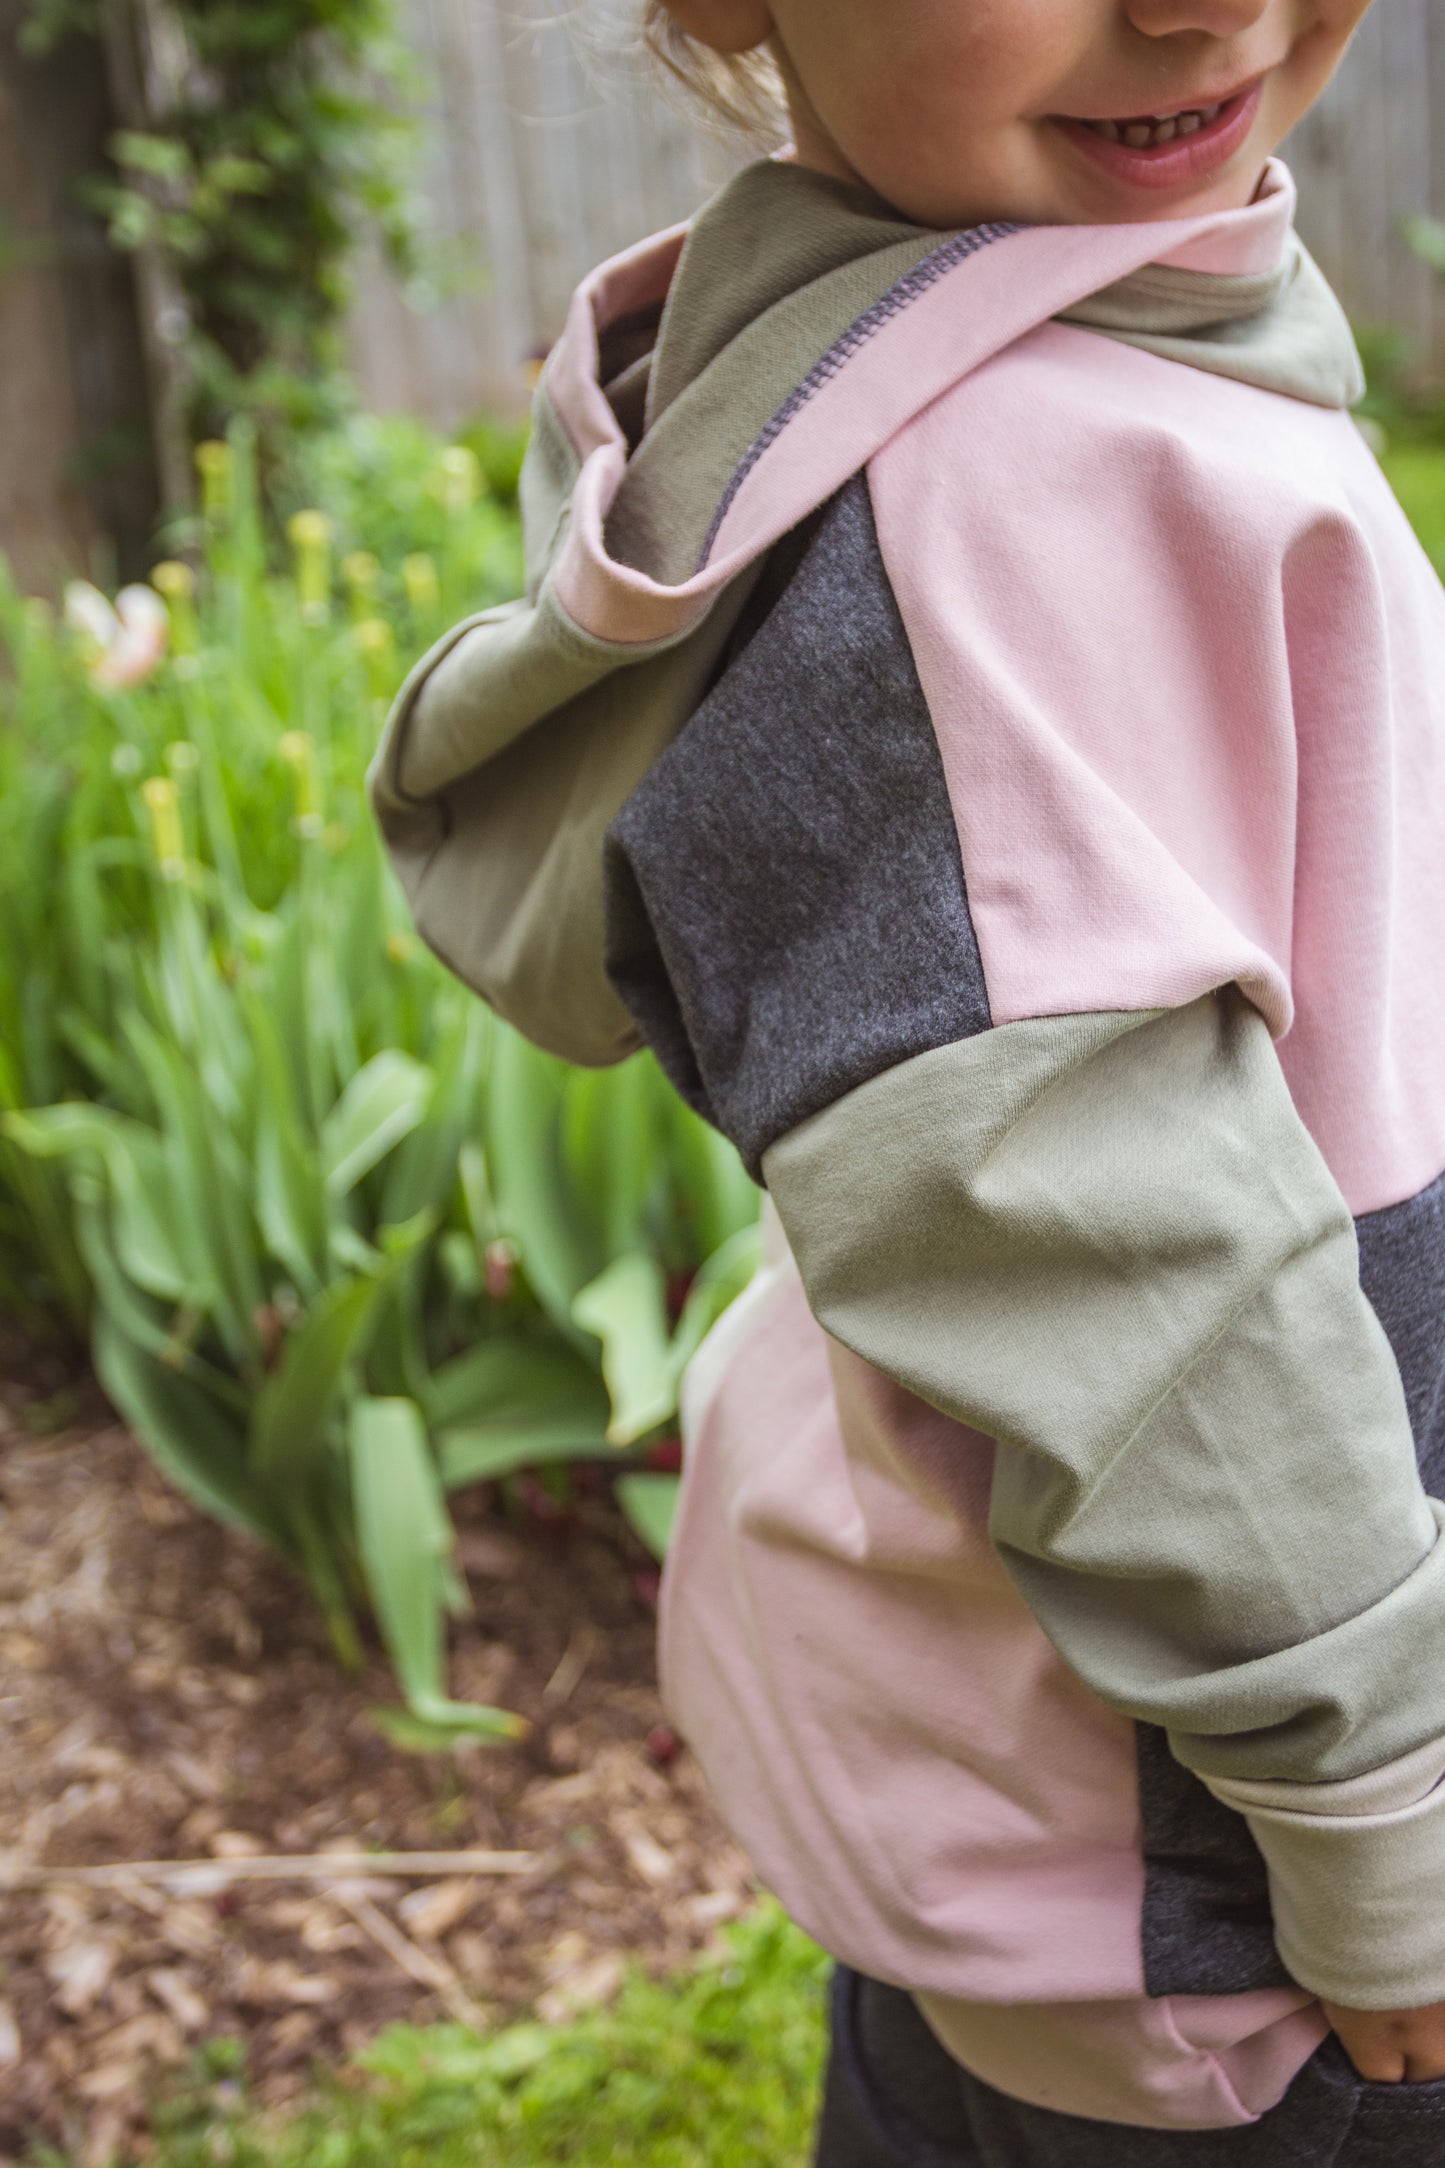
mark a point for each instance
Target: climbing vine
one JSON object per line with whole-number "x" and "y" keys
{"x": 257, "y": 139}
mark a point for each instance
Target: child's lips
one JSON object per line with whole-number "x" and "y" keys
{"x": 1169, "y": 151}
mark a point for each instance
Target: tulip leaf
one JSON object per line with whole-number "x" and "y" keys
{"x": 289, "y": 1427}
{"x": 539, "y": 1208}
{"x": 194, "y": 1440}
{"x": 515, "y": 1403}
{"x": 721, "y": 1280}
{"x": 405, "y": 1539}
{"x": 383, "y": 1103}
{"x": 650, "y": 1504}
{"x": 626, "y": 1308}
{"x": 148, "y": 1216}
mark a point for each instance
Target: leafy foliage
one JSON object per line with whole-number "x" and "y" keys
{"x": 718, "y": 2067}
{"x": 342, "y": 1242}
{"x": 276, "y": 134}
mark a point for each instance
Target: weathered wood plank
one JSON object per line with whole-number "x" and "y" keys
{"x": 1372, "y": 152}
{"x": 75, "y": 475}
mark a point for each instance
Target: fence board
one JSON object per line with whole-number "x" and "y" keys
{"x": 539, "y": 168}
{"x": 75, "y": 481}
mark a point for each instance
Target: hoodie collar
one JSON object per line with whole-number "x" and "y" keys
{"x": 1246, "y": 301}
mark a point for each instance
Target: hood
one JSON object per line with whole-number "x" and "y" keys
{"x": 801, "y": 324}
{"x": 713, "y": 388}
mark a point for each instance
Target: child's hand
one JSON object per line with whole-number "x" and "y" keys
{"x": 1391, "y": 2046}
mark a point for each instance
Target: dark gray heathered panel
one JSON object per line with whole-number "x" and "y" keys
{"x": 786, "y": 910}
{"x": 1402, "y": 1270}
{"x": 1206, "y": 1899}
{"x": 1206, "y": 1927}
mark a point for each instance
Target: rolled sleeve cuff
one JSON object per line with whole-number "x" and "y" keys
{"x": 1357, "y": 1879}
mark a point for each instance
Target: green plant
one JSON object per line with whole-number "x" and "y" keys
{"x": 254, "y": 143}
{"x": 343, "y": 1243}
{"x": 719, "y": 2066}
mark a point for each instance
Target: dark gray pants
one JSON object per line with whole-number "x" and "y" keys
{"x": 896, "y": 2099}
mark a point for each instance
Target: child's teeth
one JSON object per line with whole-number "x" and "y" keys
{"x": 1152, "y": 135}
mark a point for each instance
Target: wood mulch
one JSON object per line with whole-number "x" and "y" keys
{"x": 167, "y": 1693}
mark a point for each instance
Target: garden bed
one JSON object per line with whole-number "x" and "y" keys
{"x": 169, "y": 1694}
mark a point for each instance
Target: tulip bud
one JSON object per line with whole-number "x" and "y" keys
{"x": 175, "y": 583}
{"x": 377, "y": 643}
{"x": 163, "y": 801}
{"x": 299, "y": 752}
{"x": 216, "y": 467}
{"x": 310, "y": 536}
{"x": 423, "y": 588}
{"x": 362, "y": 573}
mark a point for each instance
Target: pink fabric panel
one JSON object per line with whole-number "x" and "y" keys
{"x": 636, "y": 280}
{"x": 1178, "y": 2063}
{"x": 910, "y": 1765}
{"x": 1252, "y": 241}
{"x": 1178, "y": 659}
{"x": 970, "y": 313}
{"x": 912, "y": 1769}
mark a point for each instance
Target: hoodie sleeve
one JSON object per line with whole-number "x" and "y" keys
{"x": 509, "y": 749}
{"x": 1109, "y": 1243}
{"x": 1102, "y": 1237}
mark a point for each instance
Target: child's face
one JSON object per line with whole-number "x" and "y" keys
{"x": 958, "y": 111}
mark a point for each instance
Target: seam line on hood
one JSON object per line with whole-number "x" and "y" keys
{"x": 898, "y": 297}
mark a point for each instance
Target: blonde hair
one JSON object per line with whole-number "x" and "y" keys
{"x": 738, "y": 92}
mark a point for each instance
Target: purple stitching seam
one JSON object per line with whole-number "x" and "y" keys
{"x": 840, "y": 353}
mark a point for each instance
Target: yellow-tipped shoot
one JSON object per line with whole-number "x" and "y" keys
{"x": 422, "y": 583}
{"x": 215, "y": 464}
{"x": 298, "y": 750}
{"x": 175, "y": 583}
{"x": 162, "y": 801}
{"x": 310, "y": 534}
{"x": 377, "y": 643}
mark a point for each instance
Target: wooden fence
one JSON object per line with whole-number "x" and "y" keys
{"x": 541, "y": 164}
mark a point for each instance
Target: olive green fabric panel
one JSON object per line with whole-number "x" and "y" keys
{"x": 1283, "y": 331}
{"x": 549, "y": 476}
{"x": 1109, "y": 1243}
{"x": 495, "y": 825}
{"x": 771, "y": 232}
{"x": 1378, "y": 1841}
{"x": 776, "y": 267}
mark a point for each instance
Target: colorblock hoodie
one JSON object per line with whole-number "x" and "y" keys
{"x": 979, "y": 715}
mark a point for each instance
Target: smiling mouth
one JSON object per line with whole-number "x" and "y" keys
{"x": 1151, "y": 134}
{"x": 1163, "y": 151}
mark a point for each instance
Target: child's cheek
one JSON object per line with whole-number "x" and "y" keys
{"x": 906, "y": 71}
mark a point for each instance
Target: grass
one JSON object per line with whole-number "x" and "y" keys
{"x": 715, "y": 2069}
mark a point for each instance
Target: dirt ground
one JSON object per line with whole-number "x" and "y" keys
{"x": 167, "y": 1693}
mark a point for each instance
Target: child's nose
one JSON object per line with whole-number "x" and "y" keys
{"x": 1218, "y": 18}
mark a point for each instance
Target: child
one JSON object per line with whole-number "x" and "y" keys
{"x": 979, "y": 715}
